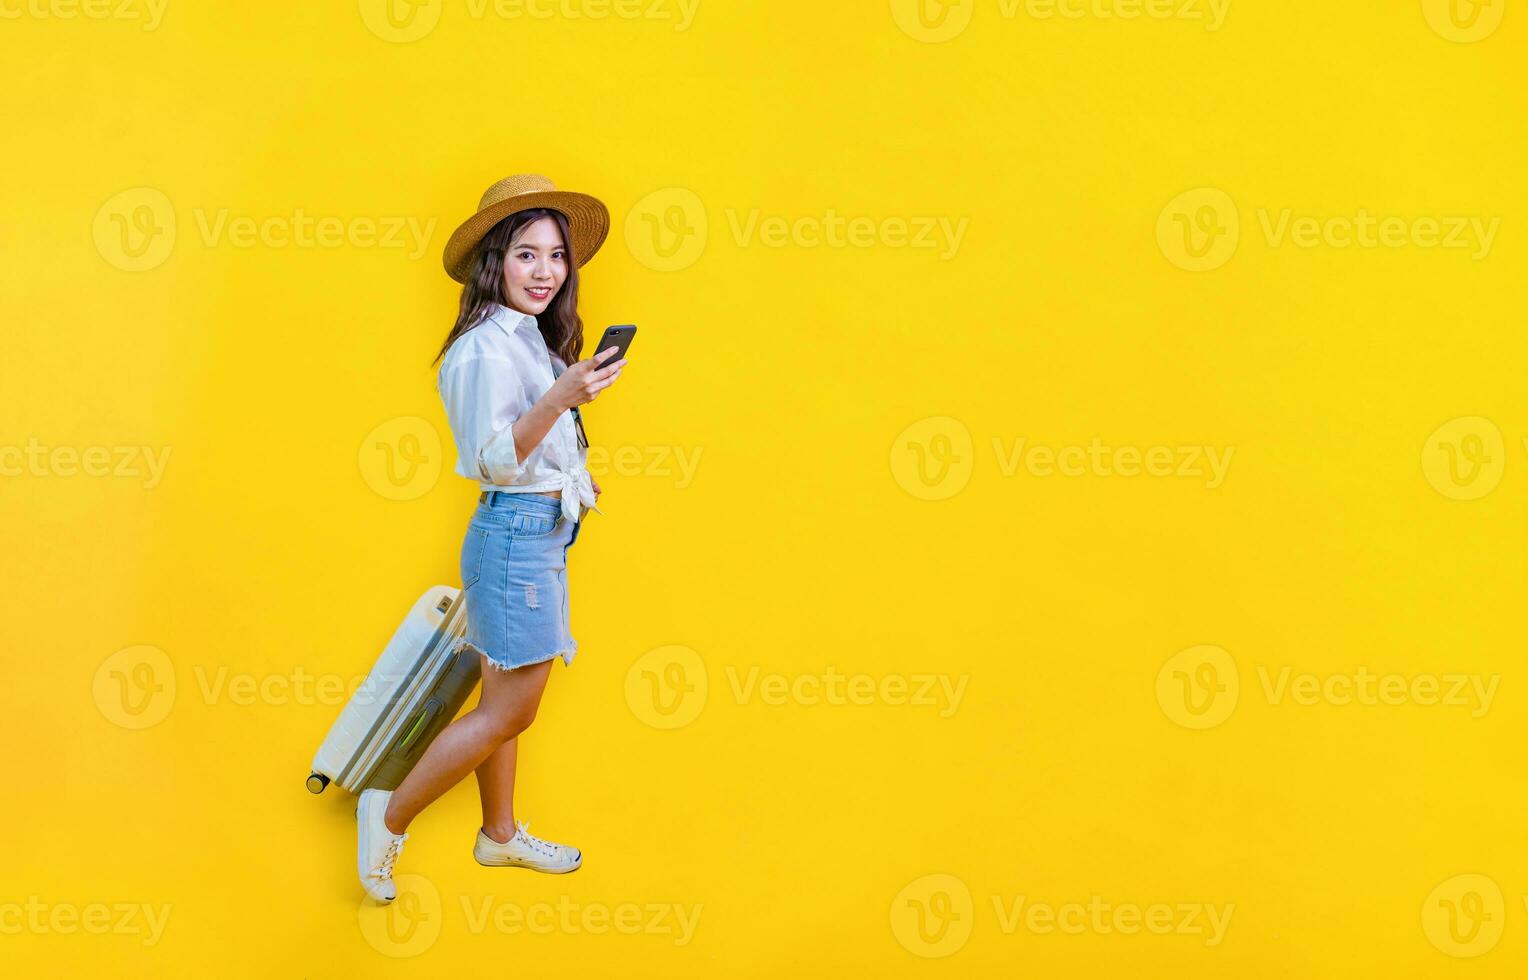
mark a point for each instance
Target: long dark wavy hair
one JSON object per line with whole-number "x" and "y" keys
{"x": 560, "y": 325}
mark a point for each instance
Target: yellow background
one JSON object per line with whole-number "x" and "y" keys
{"x": 802, "y": 542}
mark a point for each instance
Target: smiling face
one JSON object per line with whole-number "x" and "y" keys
{"x": 535, "y": 266}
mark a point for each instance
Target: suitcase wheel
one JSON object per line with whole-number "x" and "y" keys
{"x": 317, "y": 782}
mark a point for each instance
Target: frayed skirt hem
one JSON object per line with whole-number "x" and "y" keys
{"x": 566, "y": 655}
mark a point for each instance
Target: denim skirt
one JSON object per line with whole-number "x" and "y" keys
{"x": 515, "y": 579}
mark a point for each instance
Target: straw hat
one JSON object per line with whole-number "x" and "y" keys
{"x": 588, "y": 219}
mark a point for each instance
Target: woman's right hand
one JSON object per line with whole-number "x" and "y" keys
{"x": 582, "y": 382}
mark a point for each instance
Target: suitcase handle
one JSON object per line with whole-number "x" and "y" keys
{"x": 431, "y": 709}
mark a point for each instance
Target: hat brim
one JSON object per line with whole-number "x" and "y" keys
{"x": 588, "y": 224}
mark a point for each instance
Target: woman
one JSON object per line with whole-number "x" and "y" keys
{"x": 511, "y": 401}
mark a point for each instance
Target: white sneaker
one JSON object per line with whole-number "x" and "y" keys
{"x": 378, "y": 847}
{"x": 526, "y": 851}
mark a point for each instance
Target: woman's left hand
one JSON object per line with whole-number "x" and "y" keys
{"x": 596, "y": 488}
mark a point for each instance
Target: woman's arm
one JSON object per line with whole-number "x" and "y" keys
{"x": 533, "y": 425}
{"x": 575, "y": 386}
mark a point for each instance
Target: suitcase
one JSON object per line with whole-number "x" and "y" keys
{"x": 417, "y": 686}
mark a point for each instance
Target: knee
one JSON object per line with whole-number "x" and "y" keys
{"x": 508, "y": 724}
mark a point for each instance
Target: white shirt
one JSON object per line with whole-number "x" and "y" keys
{"x": 491, "y": 376}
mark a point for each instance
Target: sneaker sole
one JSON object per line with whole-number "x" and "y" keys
{"x": 528, "y": 867}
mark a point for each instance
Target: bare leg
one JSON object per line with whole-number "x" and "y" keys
{"x": 506, "y": 708}
{"x": 496, "y": 786}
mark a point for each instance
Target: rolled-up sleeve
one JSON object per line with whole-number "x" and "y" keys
{"x": 483, "y": 397}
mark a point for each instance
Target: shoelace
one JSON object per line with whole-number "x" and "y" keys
{"x": 536, "y": 843}
{"x": 394, "y": 848}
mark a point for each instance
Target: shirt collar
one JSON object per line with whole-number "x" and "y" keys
{"x": 511, "y": 320}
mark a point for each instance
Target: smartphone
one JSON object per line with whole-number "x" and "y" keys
{"x": 618, "y": 337}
